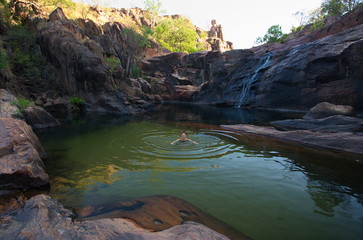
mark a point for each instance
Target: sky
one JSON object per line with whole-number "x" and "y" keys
{"x": 243, "y": 21}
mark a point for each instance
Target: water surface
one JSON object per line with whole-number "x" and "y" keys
{"x": 264, "y": 189}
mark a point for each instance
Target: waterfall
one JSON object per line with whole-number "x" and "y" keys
{"x": 247, "y": 83}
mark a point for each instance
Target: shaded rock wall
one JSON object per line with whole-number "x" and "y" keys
{"x": 80, "y": 63}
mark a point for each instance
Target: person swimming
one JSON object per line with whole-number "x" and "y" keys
{"x": 183, "y": 138}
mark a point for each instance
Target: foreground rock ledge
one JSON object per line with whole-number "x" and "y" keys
{"x": 21, "y": 165}
{"x": 159, "y": 213}
{"x": 347, "y": 142}
{"x": 42, "y": 217}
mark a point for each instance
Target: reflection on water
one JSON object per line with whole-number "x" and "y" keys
{"x": 265, "y": 189}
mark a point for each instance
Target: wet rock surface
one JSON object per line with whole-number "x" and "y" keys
{"x": 42, "y": 217}
{"x": 340, "y": 141}
{"x": 336, "y": 123}
{"x": 21, "y": 154}
{"x": 159, "y": 213}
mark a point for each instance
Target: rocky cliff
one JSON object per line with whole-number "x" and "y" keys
{"x": 322, "y": 66}
{"x": 96, "y": 57}
{"x": 102, "y": 63}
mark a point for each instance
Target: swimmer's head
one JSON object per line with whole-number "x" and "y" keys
{"x": 183, "y": 134}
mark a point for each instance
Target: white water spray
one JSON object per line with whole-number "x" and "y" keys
{"x": 247, "y": 84}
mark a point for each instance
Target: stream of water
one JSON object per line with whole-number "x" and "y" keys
{"x": 264, "y": 189}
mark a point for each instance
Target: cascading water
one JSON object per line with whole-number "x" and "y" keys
{"x": 247, "y": 84}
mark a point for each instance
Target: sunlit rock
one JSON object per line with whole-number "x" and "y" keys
{"x": 21, "y": 154}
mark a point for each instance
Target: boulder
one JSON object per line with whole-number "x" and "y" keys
{"x": 57, "y": 105}
{"x": 21, "y": 154}
{"x": 325, "y": 109}
{"x": 42, "y": 217}
{"x": 37, "y": 117}
{"x": 7, "y": 108}
{"x": 57, "y": 14}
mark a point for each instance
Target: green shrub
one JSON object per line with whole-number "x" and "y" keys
{"x": 297, "y": 29}
{"x": 58, "y": 3}
{"x": 154, "y": 81}
{"x": 317, "y": 25}
{"x": 22, "y": 103}
{"x": 113, "y": 63}
{"x": 153, "y": 9}
{"x": 274, "y": 34}
{"x": 23, "y": 58}
{"x": 5, "y": 12}
{"x": 136, "y": 72}
{"x": 20, "y": 36}
{"x": 177, "y": 35}
{"x": 4, "y": 61}
{"x": 116, "y": 87}
{"x": 136, "y": 40}
{"x": 76, "y": 100}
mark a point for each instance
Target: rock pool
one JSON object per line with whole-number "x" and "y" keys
{"x": 265, "y": 189}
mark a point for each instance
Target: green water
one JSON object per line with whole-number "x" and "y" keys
{"x": 264, "y": 189}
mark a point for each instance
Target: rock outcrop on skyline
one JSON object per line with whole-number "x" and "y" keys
{"x": 216, "y": 38}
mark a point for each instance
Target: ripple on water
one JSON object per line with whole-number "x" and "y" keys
{"x": 158, "y": 145}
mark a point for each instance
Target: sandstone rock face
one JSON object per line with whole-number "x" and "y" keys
{"x": 181, "y": 75}
{"x": 7, "y": 109}
{"x": 37, "y": 117}
{"x": 42, "y": 217}
{"x": 21, "y": 165}
{"x": 216, "y": 38}
{"x": 323, "y": 110}
{"x": 79, "y": 53}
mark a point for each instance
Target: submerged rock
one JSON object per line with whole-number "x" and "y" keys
{"x": 21, "y": 165}
{"x": 159, "y": 213}
{"x": 37, "y": 117}
{"x": 42, "y": 217}
{"x": 325, "y": 109}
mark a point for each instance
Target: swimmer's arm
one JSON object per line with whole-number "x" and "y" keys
{"x": 192, "y": 141}
{"x": 175, "y": 141}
